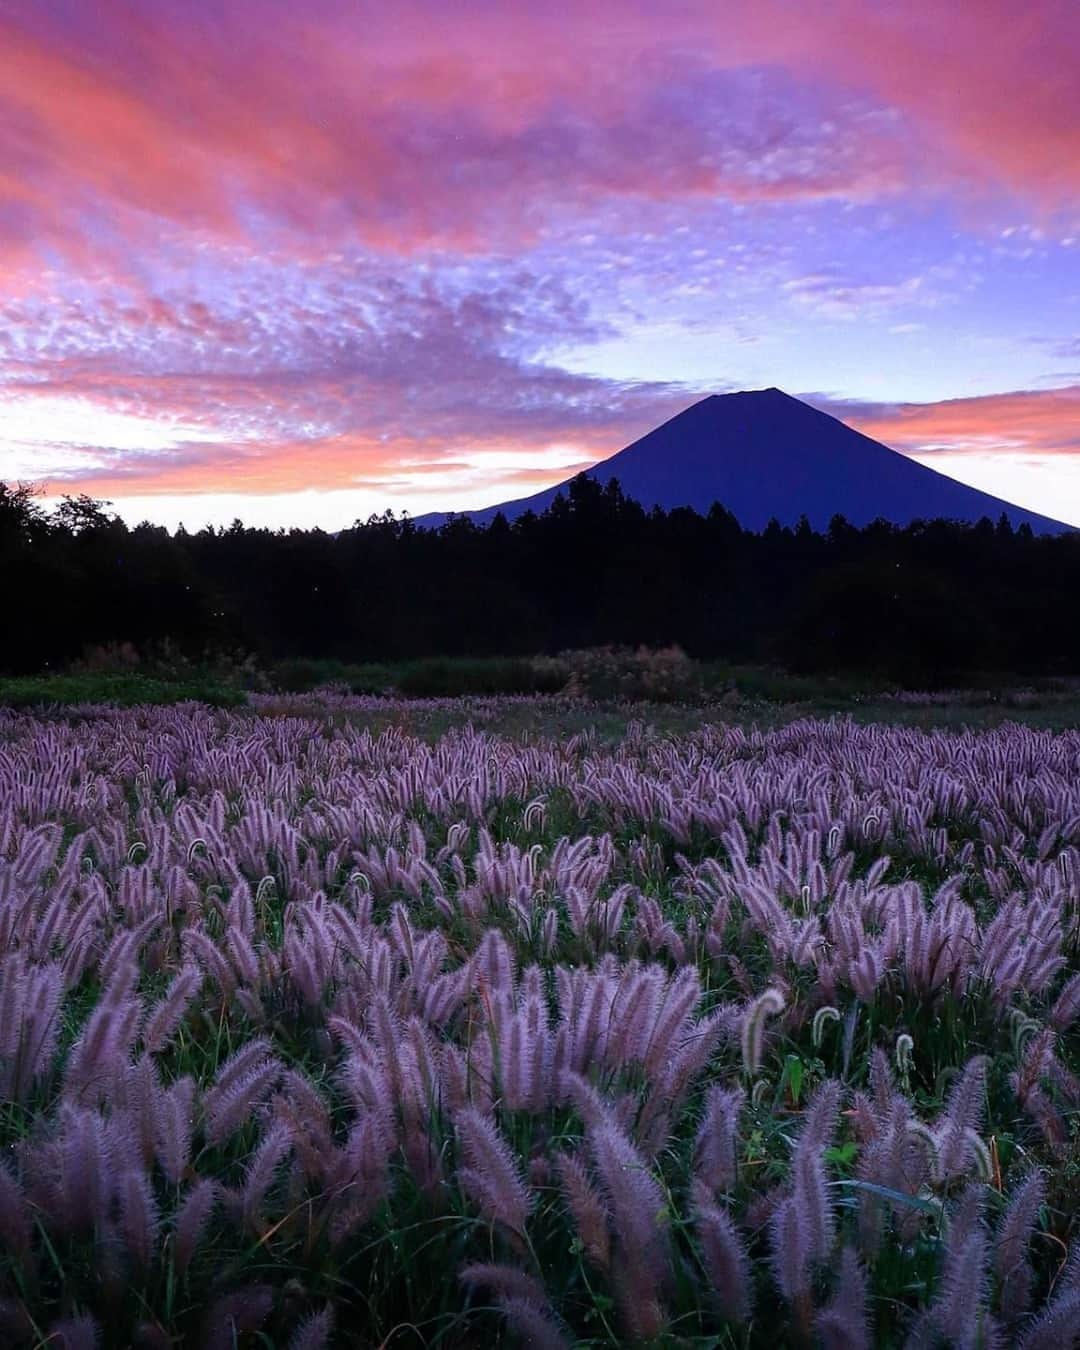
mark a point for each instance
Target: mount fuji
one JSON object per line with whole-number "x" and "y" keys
{"x": 763, "y": 454}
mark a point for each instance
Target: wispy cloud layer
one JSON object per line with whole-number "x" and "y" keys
{"x": 1036, "y": 421}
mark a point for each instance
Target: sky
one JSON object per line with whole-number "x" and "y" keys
{"x": 299, "y": 263}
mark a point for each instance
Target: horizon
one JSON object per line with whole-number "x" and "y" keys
{"x": 302, "y": 267}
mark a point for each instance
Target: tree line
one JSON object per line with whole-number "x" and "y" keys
{"x": 932, "y": 602}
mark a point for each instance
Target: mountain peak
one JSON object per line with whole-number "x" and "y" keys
{"x": 747, "y": 394}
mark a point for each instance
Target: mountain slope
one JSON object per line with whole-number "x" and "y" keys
{"x": 761, "y": 454}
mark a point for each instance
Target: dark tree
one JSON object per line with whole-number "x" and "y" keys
{"x": 933, "y": 602}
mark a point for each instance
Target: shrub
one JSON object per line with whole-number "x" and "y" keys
{"x": 167, "y": 662}
{"x": 664, "y": 675}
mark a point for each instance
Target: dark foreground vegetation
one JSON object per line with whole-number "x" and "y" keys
{"x": 600, "y": 691}
{"x": 935, "y": 603}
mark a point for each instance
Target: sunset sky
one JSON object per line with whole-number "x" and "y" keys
{"x": 299, "y": 262}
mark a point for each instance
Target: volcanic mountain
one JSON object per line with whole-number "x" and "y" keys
{"x": 763, "y": 454}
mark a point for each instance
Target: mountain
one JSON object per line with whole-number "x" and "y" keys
{"x": 762, "y": 453}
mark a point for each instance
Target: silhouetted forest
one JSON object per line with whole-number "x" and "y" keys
{"x": 930, "y": 603}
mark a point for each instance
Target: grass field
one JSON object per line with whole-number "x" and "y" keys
{"x": 339, "y": 1020}
{"x": 122, "y": 676}
{"x": 600, "y": 690}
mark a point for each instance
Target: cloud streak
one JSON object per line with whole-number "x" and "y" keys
{"x": 1035, "y": 422}
{"x": 405, "y": 127}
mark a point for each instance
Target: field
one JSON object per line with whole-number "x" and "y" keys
{"x": 333, "y": 1020}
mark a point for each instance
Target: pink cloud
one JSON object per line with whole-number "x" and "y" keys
{"x": 412, "y": 125}
{"x": 1039, "y": 422}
